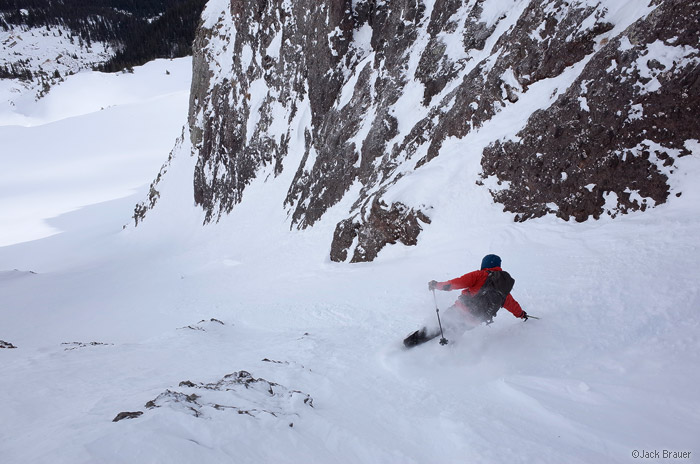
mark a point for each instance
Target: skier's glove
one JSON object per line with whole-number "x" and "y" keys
{"x": 523, "y": 316}
{"x": 432, "y": 285}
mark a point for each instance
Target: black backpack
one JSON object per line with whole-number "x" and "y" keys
{"x": 491, "y": 296}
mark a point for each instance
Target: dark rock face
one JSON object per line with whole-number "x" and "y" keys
{"x": 610, "y": 136}
{"x": 353, "y": 96}
{"x": 301, "y": 66}
{"x": 547, "y": 38}
{"x": 305, "y": 71}
{"x": 386, "y": 225}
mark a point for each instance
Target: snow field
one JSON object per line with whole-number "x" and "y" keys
{"x": 94, "y": 138}
{"x": 609, "y": 369}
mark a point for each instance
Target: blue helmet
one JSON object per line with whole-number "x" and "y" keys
{"x": 490, "y": 261}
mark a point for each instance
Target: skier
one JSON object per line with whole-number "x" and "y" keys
{"x": 484, "y": 292}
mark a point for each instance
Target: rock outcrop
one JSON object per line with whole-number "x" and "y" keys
{"x": 127, "y": 415}
{"x": 239, "y": 392}
{"x": 354, "y": 96}
{"x": 4, "y": 344}
{"x": 611, "y": 140}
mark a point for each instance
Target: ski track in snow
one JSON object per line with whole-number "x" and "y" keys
{"x": 610, "y": 368}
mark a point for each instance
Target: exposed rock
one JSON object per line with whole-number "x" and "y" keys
{"x": 383, "y": 226}
{"x": 546, "y": 39}
{"x": 610, "y": 141}
{"x": 203, "y": 324}
{"x": 75, "y": 345}
{"x": 239, "y": 392}
{"x": 177, "y": 400}
{"x": 231, "y": 150}
{"x": 127, "y": 415}
{"x": 4, "y": 344}
{"x": 143, "y": 207}
{"x": 304, "y": 71}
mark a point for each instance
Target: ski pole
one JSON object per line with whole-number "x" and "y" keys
{"x": 443, "y": 340}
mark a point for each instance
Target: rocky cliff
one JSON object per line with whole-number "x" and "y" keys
{"x": 354, "y": 95}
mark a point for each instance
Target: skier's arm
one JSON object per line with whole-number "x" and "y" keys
{"x": 466, "y": 281}
{"x": 513, "y": 306}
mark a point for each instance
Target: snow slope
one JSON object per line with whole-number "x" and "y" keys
{"x": 105, "y": 319}
{"x": 94, "y": 138}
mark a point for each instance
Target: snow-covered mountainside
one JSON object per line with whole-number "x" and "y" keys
{"x": 49, "y": 51}
{"x": 242, "y": 341}
{"x": 575, "y": 108}
{"x": 42, "y": 57}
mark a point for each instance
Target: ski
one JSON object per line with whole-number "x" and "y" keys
{"x": 418, "y": 338}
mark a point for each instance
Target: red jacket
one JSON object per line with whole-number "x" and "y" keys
{"x": 472, "y": 282}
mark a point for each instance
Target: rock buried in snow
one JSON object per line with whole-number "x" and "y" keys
{"x": 15, "y": 274}
{"x": 76, "y": 345}
{"x": 4, "y": 344}
{"x": 202, "y": 324}
{"x": 178, "y": 401}
{"x": 127, "y": 415}
{"x": 239, "y": 392}
{"x": 286, "y": 363}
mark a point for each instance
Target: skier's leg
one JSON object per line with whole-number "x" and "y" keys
{"x": 429, "y": 330}
{"x": 458, "y": 320}
{"x": 455, "y": 321}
